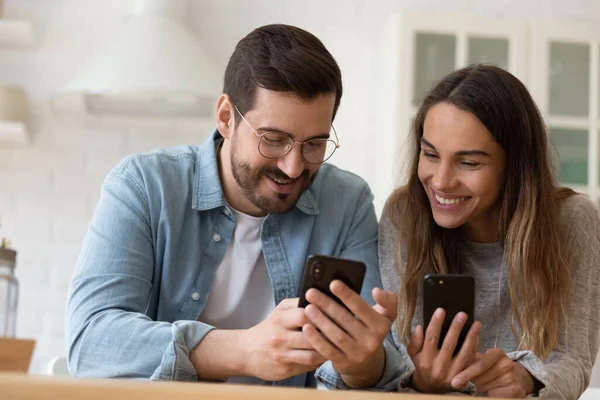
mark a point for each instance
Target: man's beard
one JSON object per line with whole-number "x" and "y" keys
{"x": 248, "y": 180}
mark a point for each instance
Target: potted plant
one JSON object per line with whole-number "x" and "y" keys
{"x": 8, "y": 255}
{"x": 4, "y": 244}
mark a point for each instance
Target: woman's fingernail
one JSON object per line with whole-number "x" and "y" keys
{"x": 456, "y": 383}
{"x": 461, "y": 317}
{"x": 439, "y": 312}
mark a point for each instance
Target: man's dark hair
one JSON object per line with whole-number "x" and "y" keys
{"x": 281, "y": 58}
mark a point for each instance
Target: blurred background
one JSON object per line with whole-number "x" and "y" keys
{"x": 83, "y": 83}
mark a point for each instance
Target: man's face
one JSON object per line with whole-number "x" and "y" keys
{"x": 274, "y": 185}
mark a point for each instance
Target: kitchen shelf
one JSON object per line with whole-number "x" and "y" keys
{"x": 15, "y": 33}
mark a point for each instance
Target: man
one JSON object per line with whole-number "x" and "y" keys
{"x": 191, "y": 266}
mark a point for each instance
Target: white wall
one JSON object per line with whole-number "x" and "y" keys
{"x": 48, "y": 191}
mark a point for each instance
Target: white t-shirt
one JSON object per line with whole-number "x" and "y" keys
{"x": 241, "y": 294}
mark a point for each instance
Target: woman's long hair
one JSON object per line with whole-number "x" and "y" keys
{"x": 538, "y": 274}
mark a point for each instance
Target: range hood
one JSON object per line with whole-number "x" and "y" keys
{"x": 153, "y": 68}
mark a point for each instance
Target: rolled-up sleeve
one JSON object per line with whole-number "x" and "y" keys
{"x": 110, "y": 331}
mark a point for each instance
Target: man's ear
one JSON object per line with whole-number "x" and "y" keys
{"x": 225, "y": 116}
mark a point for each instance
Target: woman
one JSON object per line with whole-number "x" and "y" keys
{"x": 482, "y": 200}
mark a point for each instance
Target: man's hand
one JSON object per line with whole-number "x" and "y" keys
{"x": 352, "y": 340}
{"x": 496, "y": 375}
{"x": 435, "y": 368}
{"x": 276, "y": 347}
{"x": 273, "y": 350}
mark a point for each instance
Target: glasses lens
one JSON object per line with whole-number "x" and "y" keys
{"x": 316, "y": 151}
{"x": 274, "y": 145}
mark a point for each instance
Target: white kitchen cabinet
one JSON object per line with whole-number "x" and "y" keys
{"x": 565, "y": 81}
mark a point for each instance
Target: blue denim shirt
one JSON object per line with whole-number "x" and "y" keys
{"x": 160, "y": 231}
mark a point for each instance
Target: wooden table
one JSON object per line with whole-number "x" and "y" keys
{"x": 32, "y": 387}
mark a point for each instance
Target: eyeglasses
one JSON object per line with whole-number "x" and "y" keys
{"x": 275, "y": 145}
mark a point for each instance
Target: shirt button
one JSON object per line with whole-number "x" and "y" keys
{"x": 217, "y": 237}
{"x": 226, "y": 211}
{"x": 195, "y": 296}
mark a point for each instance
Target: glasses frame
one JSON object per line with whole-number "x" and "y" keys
{"x": 294, "y": 142}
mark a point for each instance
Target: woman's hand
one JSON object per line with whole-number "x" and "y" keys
{"x": 496, "y": 375}
{"x": 435, "y": 367}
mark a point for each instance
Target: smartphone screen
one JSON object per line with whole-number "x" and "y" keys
{"x": 321, "y": 270}
{"x": 454, "y": 293}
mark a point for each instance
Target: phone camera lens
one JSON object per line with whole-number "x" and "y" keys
{"x": 317, "y": 271}
{"x": 431, "y": 282}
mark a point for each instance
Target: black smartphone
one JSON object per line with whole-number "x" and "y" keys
{"x": 321, "y": 270}
{"x": 454, "y": 293}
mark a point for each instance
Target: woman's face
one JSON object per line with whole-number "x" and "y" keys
{"x": 462, "y": 168}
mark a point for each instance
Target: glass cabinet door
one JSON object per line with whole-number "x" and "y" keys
{"x": 572, "y": 148}
{"x": 437, "y": 54}
{"x": 565, "y": 68}
{"x": 435, "y": 57}
{"x": 440, "y": 45}
{"x": 569, "y": 79}
{"x": 483, "y": 50}
{"x": 569, "y": 100}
